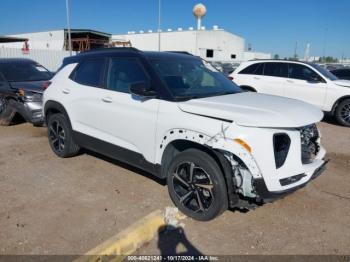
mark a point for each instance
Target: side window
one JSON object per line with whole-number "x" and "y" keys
{"x": 123, "y": 72}
{"x": 89, "y": 72}
{"x": 276, "y": 69}
{"x": 254, "y": 69}
{"x": 301, "y": 72}
{"x": 210, "y": 53}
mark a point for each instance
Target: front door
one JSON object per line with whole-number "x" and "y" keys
{"x": 306, "y": 85}
{"x": 129, "y": 120}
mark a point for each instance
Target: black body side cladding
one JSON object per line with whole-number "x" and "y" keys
{"x": 116, "y": 152}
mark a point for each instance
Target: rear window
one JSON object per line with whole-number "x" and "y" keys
{"x": 276, "y": 69}
{"x": 24, "y": 72}
{"x": 254, "y": 69}
{"x": 89, "y": 72}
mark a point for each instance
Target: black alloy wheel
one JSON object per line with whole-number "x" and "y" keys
{"x": 197, "y": 185}
{"x": 342, "y": 113}
{"x": 193, "y": 187}
{"x": 61, "y": 136}
{"x": 57, "y": 136}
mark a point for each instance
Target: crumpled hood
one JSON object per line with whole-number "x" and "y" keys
{"x": 342, "y": 82}
{"x": 255, "y": 110}
{"x": 34, "y": 86}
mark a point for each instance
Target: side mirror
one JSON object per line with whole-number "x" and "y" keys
{"x": 315, "y": 79}
{"x": 142, "y": 89}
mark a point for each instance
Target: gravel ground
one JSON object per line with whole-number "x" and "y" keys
{"x": 50, "y": 205}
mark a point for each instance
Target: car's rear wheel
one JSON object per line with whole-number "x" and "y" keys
{"x": 342, "y": 113}
{"x": 7, "y": 112}
{"x": 196, "y": 185}
{"x": 61, "y": 136}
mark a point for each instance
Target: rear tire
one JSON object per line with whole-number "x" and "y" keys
{"x": 60, "y": 136}
{"x": 7, "y": 112}
{"x": 342, "y": 113}
{"x": 196, "y": 185}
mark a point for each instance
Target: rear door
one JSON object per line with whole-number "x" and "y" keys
{"x": 305, "y": 84}
{"x": 250, "y": 76}
{"x": 82, "y": 95}
{"x": 273, "y": 78}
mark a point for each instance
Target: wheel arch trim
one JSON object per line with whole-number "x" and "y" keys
{"x": 214, "y": 144}
{"x": 51, "y": 104}
{"x": 339, "y": 100}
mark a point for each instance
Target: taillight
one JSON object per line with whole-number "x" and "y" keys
{"x": 45, "y": 85}
{"x": 230, "y": 77}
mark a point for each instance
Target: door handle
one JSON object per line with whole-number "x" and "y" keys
{"x": 107, "y": 99}
{"x": 290, "y": 81}
{"x": 65, "y": 91}
{"x": 256, "y": 78}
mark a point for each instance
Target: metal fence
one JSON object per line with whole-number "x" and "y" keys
{"x": 51, "y": 59}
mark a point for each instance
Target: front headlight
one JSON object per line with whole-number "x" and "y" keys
{"x": 32, "y": 97}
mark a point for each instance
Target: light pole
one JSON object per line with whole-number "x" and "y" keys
{"x": 68, "y": 27}
{"x": 159, "y": 22}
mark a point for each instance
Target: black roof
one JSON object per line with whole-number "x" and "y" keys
{"x": 16, "y": 60}
{"x": 126, "y": 52}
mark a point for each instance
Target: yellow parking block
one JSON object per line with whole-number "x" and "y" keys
{"x": 129, "y": 240}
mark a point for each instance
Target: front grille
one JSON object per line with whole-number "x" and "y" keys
{"x": 309, "y": 146}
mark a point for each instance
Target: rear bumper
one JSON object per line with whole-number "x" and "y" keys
{"x": 268, "y": 196}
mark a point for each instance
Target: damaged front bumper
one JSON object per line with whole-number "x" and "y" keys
{"x": 263, "y": 194}
{"x": 31, "y": 111}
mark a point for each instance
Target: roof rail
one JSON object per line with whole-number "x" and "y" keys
{"x": 272, "y": 59}
{"x": 106, "y": 49}
{"x": 180, "y": 52}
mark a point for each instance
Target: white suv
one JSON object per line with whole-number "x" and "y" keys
{"x": 304, "y": 81}
{"x": 179, "y": 119}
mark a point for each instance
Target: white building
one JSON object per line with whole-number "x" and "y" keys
{"x": 213, "y": 45}
{"x": 82, "y": 39}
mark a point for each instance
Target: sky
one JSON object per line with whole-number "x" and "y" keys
{"x": 273, "y": 26}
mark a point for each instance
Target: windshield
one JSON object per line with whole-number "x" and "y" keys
{"x": 324, "y": 72}
{"x": 23, "y": 72}
{"x": 193, "y": 78}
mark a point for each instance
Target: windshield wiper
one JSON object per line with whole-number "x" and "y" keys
{"x": 188, "y": 97}
{"x": 223, "y": 93}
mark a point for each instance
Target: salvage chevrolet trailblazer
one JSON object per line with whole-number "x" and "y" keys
{"x": 179, "y": 119}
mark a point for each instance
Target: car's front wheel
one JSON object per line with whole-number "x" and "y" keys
{"x": 342, "y": 113}
{"x": 7, "y": 112}
{"x": 61, "y": 137}
{"x": 196, "y": 185}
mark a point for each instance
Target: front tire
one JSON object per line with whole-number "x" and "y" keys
{"x": 342, "y": 113}
{"x": 61, "y": 136}
{"x": 7, "y": 112}
{"x": 196, "y": 185}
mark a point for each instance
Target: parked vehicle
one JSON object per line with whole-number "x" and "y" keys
{"x": 22, "y": 82}
{"x": 304, "y": 81}
{"x": 178, "y": 118}
{"x": 343, "y": 73}
{"x": 333, "y": 66}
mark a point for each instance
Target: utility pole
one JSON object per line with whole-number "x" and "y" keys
{"x": 324, "y": 43}
{"x": 68, "y": 27}
{"x": 159, "y": 23}
{"x": 296, "y": 50}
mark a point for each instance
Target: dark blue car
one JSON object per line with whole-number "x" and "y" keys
{"x": 22, "y": 82}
